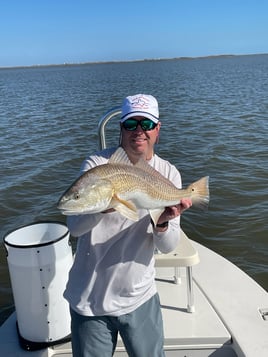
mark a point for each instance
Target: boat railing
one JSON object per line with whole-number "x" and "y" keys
{"x": 185, "y": 255}
{"x": 102, "y": 125}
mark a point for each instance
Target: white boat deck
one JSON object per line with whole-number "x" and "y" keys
{"x": 201, "y": 328}
{"x": 200, "y": 331}
{"x": 227, "y": 321}
{"x": 240, "y": 302}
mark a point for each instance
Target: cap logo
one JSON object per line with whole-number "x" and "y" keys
{"x": 140, "y": 103}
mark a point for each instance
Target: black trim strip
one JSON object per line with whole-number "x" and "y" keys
{"x": 141, "y": 112}
{"x": 34, "y": 346}
{"x": 39, "y": 244}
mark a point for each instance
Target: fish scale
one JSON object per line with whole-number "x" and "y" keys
{"x": 130, "y": 179}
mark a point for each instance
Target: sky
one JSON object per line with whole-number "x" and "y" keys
{"x": 41, "y": 32}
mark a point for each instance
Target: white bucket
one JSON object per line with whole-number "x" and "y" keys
{"x": 39, "y": 259}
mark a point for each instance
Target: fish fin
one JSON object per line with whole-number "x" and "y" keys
{"x": 200, "y": 192}
{"x": 120, "y": 157}
{"x": 126, "y": 208}
{"x": 143, "y": 165}
{"x": 155, "y": 214}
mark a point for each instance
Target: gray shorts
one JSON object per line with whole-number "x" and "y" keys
{"x": 141, "y": 332}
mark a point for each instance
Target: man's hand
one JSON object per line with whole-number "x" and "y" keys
{"x": 175, "y": 211}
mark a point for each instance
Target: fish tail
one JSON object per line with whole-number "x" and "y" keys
{"x": 200, "y": 192}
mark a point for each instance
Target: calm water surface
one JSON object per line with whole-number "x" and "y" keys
{"x": 214, "y": 122}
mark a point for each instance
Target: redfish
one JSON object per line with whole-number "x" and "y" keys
{"x": 127, "y": 187}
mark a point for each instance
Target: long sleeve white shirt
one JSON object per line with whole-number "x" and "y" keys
{"x": 113, "y": 271}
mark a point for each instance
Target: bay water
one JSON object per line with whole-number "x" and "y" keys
{"x": 214, "y": 114}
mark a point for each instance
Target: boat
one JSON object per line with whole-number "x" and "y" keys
{"x": 210, "y": 306}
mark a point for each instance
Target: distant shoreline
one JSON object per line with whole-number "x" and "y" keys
{"x": 131, "y": 61}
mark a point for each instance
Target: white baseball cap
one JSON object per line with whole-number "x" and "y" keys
{"x": 140, "y": 105}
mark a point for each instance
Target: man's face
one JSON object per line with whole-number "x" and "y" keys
{"x": 139, "y": 142}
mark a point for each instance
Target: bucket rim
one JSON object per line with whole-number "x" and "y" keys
{"x": 38, "y": 244}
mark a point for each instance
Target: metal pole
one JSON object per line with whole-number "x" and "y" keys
{"x": 190, "y": 292}
{"x": 102, "y": 123}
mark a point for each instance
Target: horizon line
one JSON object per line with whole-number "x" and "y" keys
{"x": 128, "y": 61}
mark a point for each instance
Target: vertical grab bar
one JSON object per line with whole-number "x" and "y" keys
{"x": 102, "y": 125}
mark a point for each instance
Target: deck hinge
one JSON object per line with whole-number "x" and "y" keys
{"x": 264, "y": 314}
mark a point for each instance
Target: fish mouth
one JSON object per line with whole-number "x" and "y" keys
{"x": 64, "y": 210}
{"x": 68, "y": 211}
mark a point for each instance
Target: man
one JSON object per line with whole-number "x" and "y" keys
{"x": 111, "y": 287}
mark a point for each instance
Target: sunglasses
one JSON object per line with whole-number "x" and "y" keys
{"x": 145, "y": 124}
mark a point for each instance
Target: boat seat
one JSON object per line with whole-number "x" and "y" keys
{"x": 185, "y": 255}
